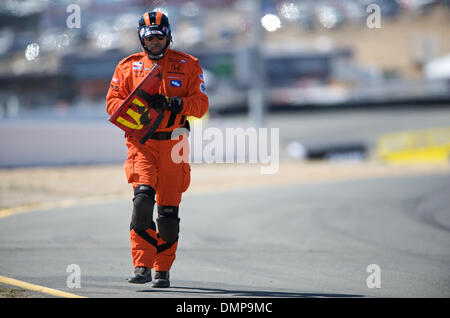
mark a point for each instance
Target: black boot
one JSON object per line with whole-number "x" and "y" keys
{"x": 142, "y": 275}
{"x": 161, "y": 280}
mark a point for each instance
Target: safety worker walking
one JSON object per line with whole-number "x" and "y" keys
{"x": 150, "y": 168}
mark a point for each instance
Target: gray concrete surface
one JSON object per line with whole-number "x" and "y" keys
{"x": 298, "y": 241}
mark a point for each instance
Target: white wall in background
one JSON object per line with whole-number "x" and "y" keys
{"x": 28, "y": 143}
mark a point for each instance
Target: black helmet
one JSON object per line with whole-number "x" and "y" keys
{"x": 154, "y": 23}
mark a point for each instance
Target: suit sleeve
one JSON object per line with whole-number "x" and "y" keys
{"x": 118, "y": 89}
{"x": 196, "y": 103}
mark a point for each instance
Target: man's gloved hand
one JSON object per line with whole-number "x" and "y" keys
{"x": 159, "y": 101}
{"x": 175, "y": 105}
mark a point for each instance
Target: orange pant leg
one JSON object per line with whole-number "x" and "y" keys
{"x": 173, "y": 177}
{"x": 173, "y": 180}
{"x": 141, "y": 168}
{"x": 152, "y": 164}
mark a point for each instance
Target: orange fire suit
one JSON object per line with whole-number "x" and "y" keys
{"x": 151, "y": 164}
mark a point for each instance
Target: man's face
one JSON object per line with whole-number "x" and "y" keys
{"x": 156, "y": 43}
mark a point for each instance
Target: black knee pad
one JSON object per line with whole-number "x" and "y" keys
{"x": 168, "y": 223}
{"x": 143, "y": 204}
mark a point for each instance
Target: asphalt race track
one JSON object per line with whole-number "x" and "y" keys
{"x": 293, "y": 241}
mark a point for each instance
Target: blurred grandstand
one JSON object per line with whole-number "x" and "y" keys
{"x": 316, "y": 53}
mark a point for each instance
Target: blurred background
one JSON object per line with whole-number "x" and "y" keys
{"x": 331, "y": 74}
{"x": 357, "y": 89}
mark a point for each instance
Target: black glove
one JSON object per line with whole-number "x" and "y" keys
{"x": 175, "y": 105}
{"x": 159, "y": 101}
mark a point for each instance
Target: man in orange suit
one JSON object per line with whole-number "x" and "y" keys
{"x": 150, "y": 168}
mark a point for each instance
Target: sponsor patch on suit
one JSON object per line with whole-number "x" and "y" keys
{"x": 176, "y": 68}
{"x": 137, "y": 66}
{"x": 175, "y": 83}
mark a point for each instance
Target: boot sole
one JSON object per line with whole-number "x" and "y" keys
{"x": 134, "y": 281}
{"x": 160, "y": 284}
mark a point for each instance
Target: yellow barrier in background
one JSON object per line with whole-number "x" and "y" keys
{"x": 422, "y": 146}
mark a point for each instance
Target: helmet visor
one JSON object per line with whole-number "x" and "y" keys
{"x": 153, "y": 30}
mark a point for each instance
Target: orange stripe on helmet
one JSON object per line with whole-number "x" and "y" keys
{"x": 158, "y": 17}
{"x": 147, "y": 18}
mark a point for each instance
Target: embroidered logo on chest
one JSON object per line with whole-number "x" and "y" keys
{"x": 137, "y": 66}
{"x": 175, "y": 83}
